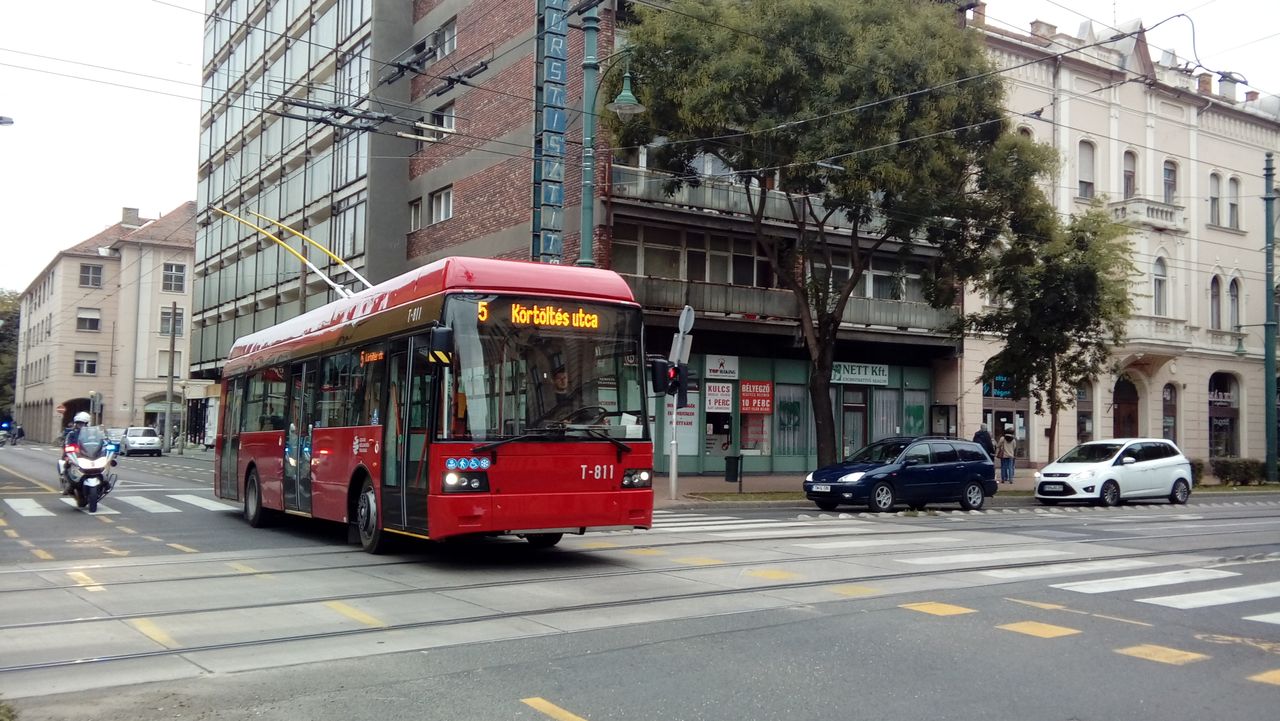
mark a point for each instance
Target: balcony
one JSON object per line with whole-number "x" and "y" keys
{"x": 779, "y": 306}
{"x": 1144, "y": 329}
{"x": 711, "y": 196}
{"x": 1151, "y": 213}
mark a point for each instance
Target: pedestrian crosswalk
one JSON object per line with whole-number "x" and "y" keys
{"x": 179, "y": 502}
{"x": 1229, "y": 590}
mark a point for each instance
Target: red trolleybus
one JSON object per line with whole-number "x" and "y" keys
{"x": 468, "y": 397}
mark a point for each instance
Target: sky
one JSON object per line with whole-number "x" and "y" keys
{"x": 92, "y": 135}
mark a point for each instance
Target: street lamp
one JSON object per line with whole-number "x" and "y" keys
{"x": 625, "y": 105}
{"x": 182, "y": 436}
{"x": 1269, "y": 333}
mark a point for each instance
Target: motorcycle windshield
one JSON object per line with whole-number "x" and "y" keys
{"x": 92, "y": 442}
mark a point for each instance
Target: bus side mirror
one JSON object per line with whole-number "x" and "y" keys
{"x": 442, "y": 339}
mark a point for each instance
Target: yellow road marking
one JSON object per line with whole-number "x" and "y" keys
{"x": 1058, "y": 607}
{"x": 599, "y": 544}
{"x": 153, "y": 538}
{"x": 1039, "y": 630}
{"x": 773, "y": 574}
{"x": 153, "y": 632}
{"x": 1037, "y": 604}
{"x": 27, "y": 478}
{"x": 3, "y": 523}
{"x": 549, "y": 709}
{"x": 1271, "y": 677}
{"x": 10, "y": 533}
{"x": 26, "y": 544}
{"x": 104, "y": 519}
{"x": 1122, "y": 620}
{"x": 699, "y": 561}
{"x": 356, "y": 614}
{"x": 246, "y": 568}
{"x": 83, "y": 580}
{"x": 1162, "y": 654}
{"x": 852, "y": 590}
{"x": 42, "y": 554}
{"x": 937, "y": 609}
{"x": 645, "y": 552}
{"x": 126, "y": 529}
{"x": 180, "y": 547}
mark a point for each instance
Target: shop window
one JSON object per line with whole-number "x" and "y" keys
{"x": 886, "y": 413}
{"x": 1169, "y": 426}
{"x": 1224, "y": 414}
{"x": 789, "y": 420}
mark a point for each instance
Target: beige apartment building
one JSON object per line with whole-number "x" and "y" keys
{"x": 1178, "y": 157}
{"x": 95, "y": 327}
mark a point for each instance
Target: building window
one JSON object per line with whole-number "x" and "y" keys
{"x": 162, "y": 367}
{"x": 175, "y": 278}
{"x": 89, "y": 319}
{"x": 446, "y": 39}
{"x": 443, "y": 117}
{"x": 1215, "y": 303}
{"x": 86, "y": 364}
{"x": 1170, "y": 182}
{"x": 167, "y": 317}
{"x": 1233, "y": 302}
{"x": 1130, "y": 174}
{"x": 441, "y": 204}
{"x": 1224, "y": 413}
{"x": 1169, "y": 426}
{"x": 1215, "y": 199}
{"x": 415, "y": 214}
{"x": 1233, "y": 203}
{"x": 1085, "y": 169}
{"x": 1159, "y": 282}
{"x": 90, "y": 276}
{"x": 348, "y": 225}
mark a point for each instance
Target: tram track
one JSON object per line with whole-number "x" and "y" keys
{"x": 404, "y": 592}
{"x": 367, "y": 562}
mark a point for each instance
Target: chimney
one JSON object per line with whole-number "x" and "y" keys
{"x": 1205, "y": 84}
{"x": 1227, "y": 86}
{"x": 1042, "y": 29}
{"x": 979, "y": 15}
{"x": 1251, "y": 96}
{"x": 129, "y": 218}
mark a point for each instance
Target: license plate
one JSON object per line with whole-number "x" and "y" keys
{"x": 1051, "y": 487}
{"x": 821, "y": 488}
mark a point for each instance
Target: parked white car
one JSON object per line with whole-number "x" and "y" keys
{"x": 1110, "y": 472}
{"x": 141, "y": 439}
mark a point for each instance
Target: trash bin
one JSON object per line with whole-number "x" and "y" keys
{"x": 732, "y": 468}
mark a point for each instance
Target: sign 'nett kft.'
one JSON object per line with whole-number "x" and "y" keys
{"x": 862, "y": 374}
{"x": 756, "y": 396}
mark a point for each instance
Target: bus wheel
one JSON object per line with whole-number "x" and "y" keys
{"x": 254, "y": 514}
{"x": 543, "y": 540}
{"x": 371, "y": 537}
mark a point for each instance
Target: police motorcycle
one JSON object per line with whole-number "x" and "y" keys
{"x": 85, "y": 469}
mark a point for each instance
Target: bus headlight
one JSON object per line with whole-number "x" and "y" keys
{"x": 466, "y": 482}
{"x": 637, "y": 478}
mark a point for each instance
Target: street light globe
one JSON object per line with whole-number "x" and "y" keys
{"x": 626, "y": 105}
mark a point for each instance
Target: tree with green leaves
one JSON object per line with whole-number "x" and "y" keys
{"x": 1062, "y": 305}
{"x": 10, "y": 316}
{"x": 883, "y": 114}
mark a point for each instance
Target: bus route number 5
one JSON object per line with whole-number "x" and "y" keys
{"x": 482, "y": 311}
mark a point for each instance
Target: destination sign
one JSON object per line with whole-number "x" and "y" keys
{"x": 540, "y": 316}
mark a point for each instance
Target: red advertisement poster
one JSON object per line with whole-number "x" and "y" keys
{"x": 757, "y": 396}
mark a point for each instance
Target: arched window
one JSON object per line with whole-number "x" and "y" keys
{"x": 1233, "y": 203}
{"x": 1159, "y": 283}
{"x": 1169, "y": 402}
{"x": 1085, "y": 169}
{"x": 1215, "y": 199}
{"x": 1215, "y": 303}
{"x": 1170, "y": 182}
{"x": 1130, "y": 174}
{"x": 1233, "y": 302}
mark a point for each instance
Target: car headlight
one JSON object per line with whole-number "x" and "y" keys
{"x": 808, "y": 478}
{"x": 1083, "y": 475}
{"x": 852, "y": 477}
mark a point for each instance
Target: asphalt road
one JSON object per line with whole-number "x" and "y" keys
{"x": 1147, "y": 611}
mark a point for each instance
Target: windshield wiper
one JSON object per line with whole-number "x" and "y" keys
{"x": 532, "y": 433}
{"x": 597, "y": 433}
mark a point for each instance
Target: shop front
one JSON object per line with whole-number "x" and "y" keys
{"x": 758, "y": 410}
{"x": 1001, "y": 412}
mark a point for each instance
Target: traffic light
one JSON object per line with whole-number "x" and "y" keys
{"x": 681, "y": 372}
{"x": 658, "y": 375}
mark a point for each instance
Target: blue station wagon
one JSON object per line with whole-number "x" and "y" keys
{"x": 915, "y": 471}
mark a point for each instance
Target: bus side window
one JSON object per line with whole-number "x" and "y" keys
{"x": 366, "y": 401}
{"x": 253, "y": 409}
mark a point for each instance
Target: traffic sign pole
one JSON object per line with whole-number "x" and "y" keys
{"x": 680, "y": 345}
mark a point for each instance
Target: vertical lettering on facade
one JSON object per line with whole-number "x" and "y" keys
{"x": 548, "y": 196}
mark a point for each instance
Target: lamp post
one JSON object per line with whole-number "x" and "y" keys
{"x": 182, "y": 435}
{"x": 625, "y": 105}
{"x": 1269, "y": 332}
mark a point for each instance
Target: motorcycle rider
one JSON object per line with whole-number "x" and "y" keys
{"x": 81, "y": 420}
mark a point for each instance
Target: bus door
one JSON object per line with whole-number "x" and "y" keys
{"x": 228, "y": 462}
{"x": 406, "y": 474}
{"x": 297, "y": 446}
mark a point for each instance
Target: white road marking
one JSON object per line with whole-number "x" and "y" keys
{"x": 27, "y": 507}
{"x": 1066, "y": 569}
{"x": 205, "y": 503}
{"x": 1265, "y": 618}
{"x": 1203, "y": 599}
{"x": 146, "y": 504}
{"x": 1128, "y": 583}
{"x": 102, "y": 510}
{"x": 980, "y": 557}
{"x": 870, "y": 542}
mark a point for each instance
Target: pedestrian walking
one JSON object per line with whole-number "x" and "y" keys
{"x": 1006, "y": 450}
{"x": 983, "y": 438}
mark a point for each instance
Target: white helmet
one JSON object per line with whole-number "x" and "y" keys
{"x": 83, "y": 417}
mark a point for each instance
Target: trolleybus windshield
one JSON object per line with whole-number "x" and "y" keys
{"x": 528, "y": 365}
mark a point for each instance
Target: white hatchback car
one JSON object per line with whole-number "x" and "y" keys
{"x": 1112, "y": 471}
{"x": 141, "y": 439}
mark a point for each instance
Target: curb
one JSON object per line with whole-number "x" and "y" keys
{"x": 700, "y": 503}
